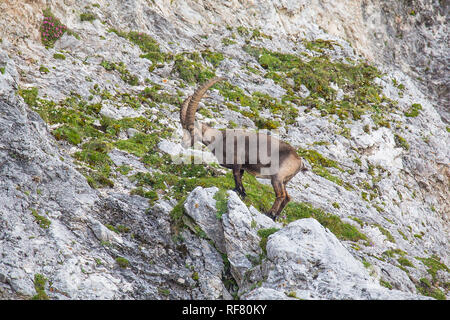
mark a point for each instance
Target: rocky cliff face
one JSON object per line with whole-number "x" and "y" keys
{"x": 94, "y": 206}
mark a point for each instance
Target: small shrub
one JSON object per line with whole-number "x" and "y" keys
{"x": 39, "y": 286}
{"x": 51, "y": 29}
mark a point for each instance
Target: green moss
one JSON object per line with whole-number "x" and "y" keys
{"x": 263, "y": 123}
{"x": 176, "y": 217}
{"x": 59, "y": 56}
{"x": 319, "y": 44}
{"x": 29, "y": 95}
{"x": 319, "y": 164}
{"x": 94, "y": 154}
{"x": 378, "y": 208}
{"x": 400, "y": 142}
{"x": 122, "y": 262}
{"x": 39, "y": 286}
{"x": 399, "y": 86}
{"x": 264, "y": 234}
{"x": 43, "y": 222}
{"x": 191, "y": 70}
{"x": 124, "y": 169}
{"x": 270, "y": 62}
{"x": 147, "y": 44}
{"x": 434, "y": 264}
{"x": 70, "y": 134}
{"x": 151, "y": 194}
{"x": 357, "y": 161}
{"x": 257, "y": 34}
{"x": 393, "y": 252}
{"x": 405, "y": 262}
{"x": 365, "y": 263}
{"x": 419, "y": 235}
{"x": 385, "y": 233}
{"x": 316, "y": 73}
{"x": 215, "y": 58}
{"x": 120, "y": 67}
{"x": 380, "y": 121}
{"x": 414, "y": 110}
{"x": 359, "y": 221}
{"x": 336, "y": 205}
{"x": 87, "y": 16}
{"x": 402, "y": 234}
{"x": 316, "y": 159}
{"x": 221, "y": 202}
{"x": 164, "y": 292}
{"x": 425, "y": 288}
{"x": 139, "y": 144}
{"x": 343, "y": 231}
{"x": 386, "y": 284}
{"x": 156, "y": 94}
{"x": 253, "y": 70}
{"x": 43, "y": 69}
{"x": 242, "y": 31}
{"x": 118, "y": 228}
{"x": 370, "y": 169}
{"x": 256, "y": 103}
{"x": 228, "y": 41}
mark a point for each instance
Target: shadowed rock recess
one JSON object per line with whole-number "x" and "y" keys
{"x": 94, "y": 203}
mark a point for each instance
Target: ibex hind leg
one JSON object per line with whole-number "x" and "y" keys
{"x": 280, "y": 197}
{"x": 285, "y": 201}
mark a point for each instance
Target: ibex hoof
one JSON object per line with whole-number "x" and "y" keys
{"x": 242, "y": 194}
{"x": 271, "y": 216}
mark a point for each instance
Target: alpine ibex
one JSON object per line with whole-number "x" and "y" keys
{"x": 257, "y": 153}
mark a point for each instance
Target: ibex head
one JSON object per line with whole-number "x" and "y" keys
{"x": 196, "y": 131}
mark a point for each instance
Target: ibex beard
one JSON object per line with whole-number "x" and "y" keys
{"x": 259, "y": 154}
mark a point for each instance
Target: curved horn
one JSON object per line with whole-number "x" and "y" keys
{"x": 195, "y": 99}
{"x": 183, "y": 110}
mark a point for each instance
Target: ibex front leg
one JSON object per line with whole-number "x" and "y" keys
{"x": 238, "y": 173}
